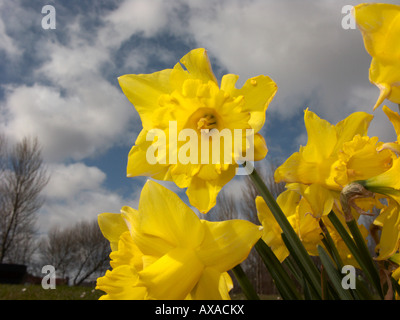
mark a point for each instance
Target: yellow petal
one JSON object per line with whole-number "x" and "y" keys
{"x": 287, "y": 201}
{"x": 380, "y": 26}
{"x": 362, "y": 160}
{"x": 139, "y": 164}
{"x": 228, "y": 82}
{"x": 387, "y": 182}
{"x": 112, "y": 225}
{"x": 396, "y": 259}
{"x": 288, "y": 171}
{"x": 396, "y": 275}
{"x": 227, "y": 243}
{"x": 320, "y": 200}
{"x": 198, "y": 65}
{"x": 144, "y": 91}
{"x": 173, "y": 276}
{"x": 127, "y": 254}
{"x": 260, "y": 147}
{"x": 258, "y": 92}
{"x": 393, "y": 146}
{"x": 298, "y": 169}
{"x": 322, "y": 138}
{"x": 148, "y": 244}
{"x": 163, "y": 215}
{"x": 390, "y": 237}
{"x": 121, "y": 284}
{"x": 211, "y": 286}
{"x": 394, "y": 118}
{"x": 356, "y": 123}
{"x": 384, "y": 88}
{"x": 202, "y": 194}
{"x": 307, "y": 227}
{"x": 271, "y": 229}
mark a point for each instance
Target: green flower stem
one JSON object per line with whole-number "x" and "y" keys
{"x": 295, "y": 247}
{"x": 358, "y": 254}
{"x": 365, "y": 254}
{"x": 330, "y": 245}
{"x": 333, "y": 274}
{"x": 315, "y": 290}
{"x": 324, "y": 284}
{"x": 245, "y": 284}
{"x": 292, "y": 267}
{"x": 283, "y": 282}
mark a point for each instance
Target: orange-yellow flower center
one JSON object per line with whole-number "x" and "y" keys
{"x": 208, "y": 121}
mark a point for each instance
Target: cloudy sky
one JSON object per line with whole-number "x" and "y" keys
{"x": 61, "y": 84}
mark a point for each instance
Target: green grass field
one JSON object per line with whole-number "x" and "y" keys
{"x": 62, "y": 292}
{"x": 36, "y": 292}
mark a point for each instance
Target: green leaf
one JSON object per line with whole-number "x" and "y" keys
{"x": 283, "y": 282}
{"x": 333, "y": 274}
{"x": 245, "y": 283}
{"x": 294, "y": 244}
{"x": 362, "y": 256}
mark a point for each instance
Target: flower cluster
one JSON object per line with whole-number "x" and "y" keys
{"x": 163, "y": 250}
{"x": 164, "y": 243}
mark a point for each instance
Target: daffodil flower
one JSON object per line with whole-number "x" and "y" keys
{"x": 388, "y": 183}
{"x": 389, "y": 221}
{"x": 183, "y": 112}
{"x": 304, "y": 224}
{"x": 380, "y": 27}
{"x": 164, "y": 251}
{"x": 334, "y": 156}
{"x": 301, "y": 213}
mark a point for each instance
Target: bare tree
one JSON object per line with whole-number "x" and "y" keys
{"x": 93, "y": 251}
{"x": 23, "y": 177}
{"x": 78, "y": 252}
{"x": 58, "y": 250}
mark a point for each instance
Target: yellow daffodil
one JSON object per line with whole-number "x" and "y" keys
{"x": 296, "y": 210}
{"x": 164, "y": 251}
{"x": 334, "y": 156}
{"x": 301, "y": 213}
{"x": 387, "y": 183}
{"x": 389, "y": 221}
{"x": 380, "y": 27}
{"x": 183, "y": 113}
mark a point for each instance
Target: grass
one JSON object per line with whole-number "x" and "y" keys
{"x": 36, "y": 292}
{"x": 62, "y": 292}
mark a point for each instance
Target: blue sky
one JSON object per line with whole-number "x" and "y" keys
{"x": 61, "y": 85}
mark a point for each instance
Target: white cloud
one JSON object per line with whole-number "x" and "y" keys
{"x": 77, "y": 192}
{"x": 77, "y": 113}
{"x": 68, "y": 180}
{"x": 6, "y": 42}
{"x": 301, "y": 45}
{"x": 80, "y": 113}
{"x": 84, "y": 123}
{"x": 131, "y": 17}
